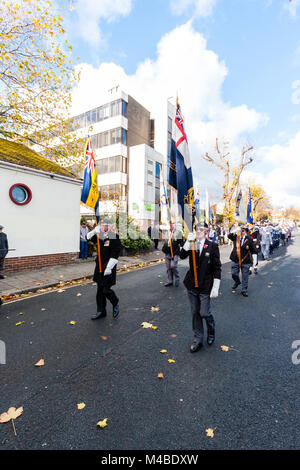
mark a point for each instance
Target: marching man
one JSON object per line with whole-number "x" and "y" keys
{"x": 105, "y": 271}
{"x": 208, "y": 276}
{"x": 171, "y": 249}
{"x": 241, "y": 257}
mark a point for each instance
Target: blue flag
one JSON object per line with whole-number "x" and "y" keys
{"x": 180, "y": 176}
{"x": 249, "y": 209}
{"x": 90, "y": 191}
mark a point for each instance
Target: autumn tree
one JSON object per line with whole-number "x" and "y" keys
{"x": 292, "y": 214}
{"x": 36, "y": 77}
{"x": 261, "y": 204}
{"x": 232, "y": 174}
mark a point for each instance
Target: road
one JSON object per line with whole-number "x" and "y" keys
{"x": 249, "y": 395}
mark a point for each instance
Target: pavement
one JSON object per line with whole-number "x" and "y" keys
{"x": 15, "y": 284}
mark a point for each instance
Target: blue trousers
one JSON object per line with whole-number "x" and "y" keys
{"x": 83, "y": 249}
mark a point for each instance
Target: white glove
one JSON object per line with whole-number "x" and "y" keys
{"x": 255, "y": 260}
{"x": 215, "y": 289}
{"x": 191, "y": 237}
{"x": 235, "y": 230}
{"x": 93, "y": 232}
{"x": 110, "y": 265}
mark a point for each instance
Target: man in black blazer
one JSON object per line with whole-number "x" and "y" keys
{"x": 208, "y": 271}
{"x": 243, "y": 255}
{"x": 110, "y": 248}
{"x": 3, "y": 250}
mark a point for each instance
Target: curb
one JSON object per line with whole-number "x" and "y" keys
{"x": 61, "y": 284}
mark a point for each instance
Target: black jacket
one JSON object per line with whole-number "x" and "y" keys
{"x": 3, "y": 245}
{"x": 247, "y": 249}
{"x": 176, "y": 242}
{"x": 208, "y": 266}
{"x": 110, "y": 247}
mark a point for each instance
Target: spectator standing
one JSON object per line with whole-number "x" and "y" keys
{"x": 3, "y": 250}
{"x": 83, "y": 240}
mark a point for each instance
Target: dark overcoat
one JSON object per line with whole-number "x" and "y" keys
{"x": 208, "y": 266}
{"x": 176, "y": 242}
{"x": 247, "y": 249}
{"x": 3, "y": 245}
{"x": 110, "y": 247}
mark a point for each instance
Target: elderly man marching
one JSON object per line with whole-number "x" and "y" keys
{"x": 105, "y": 271}
{"x": 202, "y": 282}
{"x": 171, "y": 249}
{"x": 241, "y": 257}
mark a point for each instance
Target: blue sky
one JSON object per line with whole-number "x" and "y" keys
{"x": 255, "y": 49}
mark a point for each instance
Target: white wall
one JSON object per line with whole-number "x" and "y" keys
{"x": 50, "y": 223}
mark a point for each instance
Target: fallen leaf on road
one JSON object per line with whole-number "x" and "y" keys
{"x": 146, "y": 325}
{"x": 43, "y": 309}
{"x": 21, "y": 313}
{"x": 11, "y": 414}
{"x": 19, "y": 323}
{"x": 78, "y": 295}
{"x": 61, "y": 290}
{"x": 154, "y": 309}
{"x": 163, "y": 351}
{"x": 104, "y": 338}
{"x": 154, "y": 327}
{"x": 160, "y": 375}
{"x": 40, "y": 363}
{"x": 61, "y": 276}
{"x": 173, "y": 336}
{"x": 103, "y": 423}
{"x": 171, "y": 361}
{"x": 227, "y": 348}
{"x": 210, "y": 432}
{"x": 80, "y": 406}
{"x": 73, "y": 322}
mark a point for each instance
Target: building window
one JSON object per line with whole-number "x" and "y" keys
{"x": 20, "y": 194}
{"x": 150, "y": 162}
{"x": 150, "y": 172}
{"x": 150, "y": 184}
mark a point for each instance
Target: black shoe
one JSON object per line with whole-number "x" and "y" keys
{"x": 236, "y": 284}
{"x": 245, "y": 294}
{"x": 1, "y": 277}
{"x": 210, "y": 337}
{"x": 176, "y": 283}
{"x": 255, "y": 270}
{"x": 195, "y": 346}
{"x": 116, "y": 311}
{"x": 169, "y": 284}
{"x": 250, "y": 272}
{"x": 98, "y": 315}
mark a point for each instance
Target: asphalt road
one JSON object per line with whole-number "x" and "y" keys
{"x": 249, "y": 395}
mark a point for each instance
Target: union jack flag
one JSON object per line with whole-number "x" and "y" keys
{"x": 180, "y": 125}
{"x": 90, "y": 191}
{"x": 90, "y": 160}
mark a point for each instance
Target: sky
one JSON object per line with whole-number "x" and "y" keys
{"x": 234, "y": 63}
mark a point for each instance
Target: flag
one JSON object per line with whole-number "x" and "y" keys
{"x": 207, "y": 209}
{"x": 90, "y": 191}
{"x": 197, "y": 203}
{"x": 239, "y": 212}
{"x": 249, "y": 209}
{"x": 164, "y": 208}
{"x": 180, "y": 176}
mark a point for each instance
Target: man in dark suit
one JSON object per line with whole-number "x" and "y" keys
{"x": 243, "y": 255}
{"x": 208, "y": 272}
{"x": 171, "y": 249}
{"x": 110, "y": 248}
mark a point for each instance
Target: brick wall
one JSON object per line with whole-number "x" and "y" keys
{"x": 27, "y": 263}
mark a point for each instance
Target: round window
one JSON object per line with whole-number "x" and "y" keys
{"x": 20, "y": 194}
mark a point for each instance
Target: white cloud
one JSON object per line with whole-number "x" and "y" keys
{"x": 89, "y": 14}
{"x": 199, "y": 8}
{"x": 291, "y": 6}
{"x": 198, "y": 77}
{"x": 281, "y": 179}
